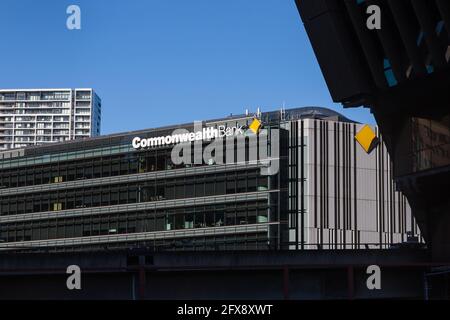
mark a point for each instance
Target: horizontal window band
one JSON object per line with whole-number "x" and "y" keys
{"x": 176, "y": 203}
{"x": 129, "y": 178}
{"x": 213, "y": 231}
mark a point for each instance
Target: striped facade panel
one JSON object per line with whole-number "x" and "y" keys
{"x": 349, "y": 197}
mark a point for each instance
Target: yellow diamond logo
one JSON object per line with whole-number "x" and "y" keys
{"x": 367, "y": 138}
{"x": 255, "y": 126}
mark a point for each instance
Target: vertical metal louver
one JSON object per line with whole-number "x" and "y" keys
{"x": 413, "y": 42}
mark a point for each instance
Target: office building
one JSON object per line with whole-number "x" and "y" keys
{"x": 40, "y": 116}
{"x": 309, "y": 186}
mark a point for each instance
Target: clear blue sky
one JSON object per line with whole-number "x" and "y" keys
{"x": 159, "y": 62}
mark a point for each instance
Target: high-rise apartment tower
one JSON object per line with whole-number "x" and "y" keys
{"x": 39, "y": 116}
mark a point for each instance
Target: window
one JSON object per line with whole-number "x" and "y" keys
{"x": 262, "y": 184}
{"x": 241, "y": 185}
{"x": 179, "y": 221}
{"x": 209, "y": 217}
{"x": 170, "y": 222}
{"x": 189, "y": 219}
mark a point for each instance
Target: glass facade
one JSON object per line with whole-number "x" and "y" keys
{"x": 216, "y": 215}
{"x": 430, "y": 143}
{"x": 241, "y": 181}
{"x": 103, "y": 193}
{"x": 427, "y": 147}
